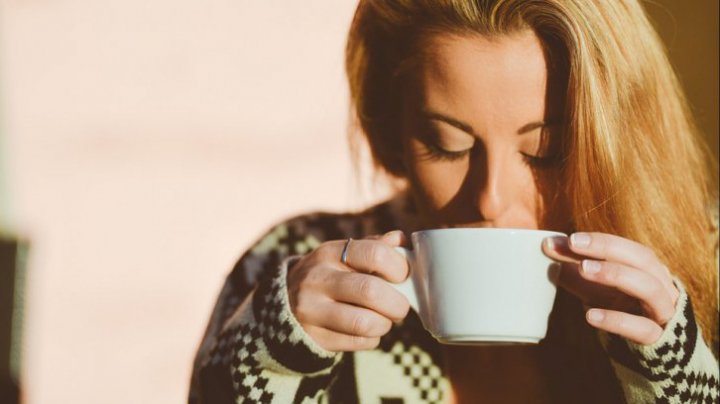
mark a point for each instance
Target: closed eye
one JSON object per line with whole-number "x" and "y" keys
{"x": 540, "y": 162}
{"x": 437, "y": 153}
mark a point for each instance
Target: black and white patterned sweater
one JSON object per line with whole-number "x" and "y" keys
{"x": 255, "y": 351}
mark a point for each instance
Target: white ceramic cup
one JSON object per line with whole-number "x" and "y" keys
{"x": 481, "y": 285}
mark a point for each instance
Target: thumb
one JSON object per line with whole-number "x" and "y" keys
{"x": 394, "y": 238}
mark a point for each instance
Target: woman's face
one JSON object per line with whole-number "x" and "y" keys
{"x": 480, "y": 128}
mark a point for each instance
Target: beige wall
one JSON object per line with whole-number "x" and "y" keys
{"x": 149, "y": 142}
{"x": 690, "y": 32}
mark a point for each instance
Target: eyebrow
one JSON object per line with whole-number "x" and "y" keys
{"x": 467, "y": 128}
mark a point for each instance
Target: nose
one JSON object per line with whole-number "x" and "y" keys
{"x": 495, "y": 188}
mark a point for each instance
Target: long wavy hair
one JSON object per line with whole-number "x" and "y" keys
{"x": 633, "y": 165}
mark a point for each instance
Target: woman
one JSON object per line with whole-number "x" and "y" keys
{"x": 556, "y": 114}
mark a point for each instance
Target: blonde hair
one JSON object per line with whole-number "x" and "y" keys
{"x": 634, "y": 164}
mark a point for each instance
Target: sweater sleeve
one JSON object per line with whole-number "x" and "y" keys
{"x": 254, "y": 350}
{"x": 262, "y": 354}
{"x": 678, "y": 368}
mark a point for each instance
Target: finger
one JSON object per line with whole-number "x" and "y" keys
{"x": 351, "y": 320}
{"x": 376, "y": 257}
{"x": 610, "y": 248}
{"x": 636, "y": 283}
{"x": 338, "y": 342}
{"x": 589, "y": 292}
{"x": 369, "y": 292}
{"x": 394, "y": 238}
{"x": 557, "y": 248}
{"x": 638, "y": 329}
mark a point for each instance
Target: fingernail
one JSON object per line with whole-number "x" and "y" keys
{"x": 549, "y": 243}
{"x": 392, "y": 233}
{"x": 590, "y": 266}
{"x": 580, "y": 240}
{"x": 394, "y": 236}
{"x": 595, "y": 316}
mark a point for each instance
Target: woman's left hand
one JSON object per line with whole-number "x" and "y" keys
{"x": 630, "y": 291}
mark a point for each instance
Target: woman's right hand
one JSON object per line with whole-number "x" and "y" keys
{"x": 347, "y": 307}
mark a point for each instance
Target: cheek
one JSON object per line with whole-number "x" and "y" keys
{"x": 436, "y": 182}
{"x": 439, "y": 183}
{"x": 529, "y": 208}
{"x": 552, "y": 204}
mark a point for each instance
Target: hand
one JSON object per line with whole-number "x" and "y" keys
{"x": 630, "y": 290}
{"x": 348, "y": 307}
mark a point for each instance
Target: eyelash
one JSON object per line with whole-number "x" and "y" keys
{"x": 540, "y": 162}
{"x": 440, "y": 154}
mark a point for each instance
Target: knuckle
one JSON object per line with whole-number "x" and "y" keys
{"x": 366, "y": 288}
{"x": 403, "y": 308}
{"x": 373, "y": 342}
{"x": 307, "y": 280}
{"x": 649, "y": 258}
{"x": 360, "y": 325}
{"x": 665, "y": 317}
{"x": 298, "y": 272}
{"x": 305, "y": 275}
{"x": 603, "y": 245}
{"x": 650, "y": 334}
{"x": 375, "y": 253}
{"x": 364, "y": 343}
{"x": 399, "y": 308}
{"x": 652, "y": 294}
{"x": 657, "y": 290}
{"x": 301, "y": 308}
{"x": 321, "y": 277}
{"x": 385, "y": 326}
{"x": 666, "y": 314}
{"x": 326, "y": 250}
{"x": 610, "y": 273}
{"x": 357, "y": 342}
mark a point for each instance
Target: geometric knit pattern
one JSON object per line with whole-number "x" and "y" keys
{"x": 255, "y": 351}
{"x": 424, "y": 374}
{"x": 263, "y": 337}
{"x": 281, "y": 334}
{"x": 414, "y": 352}
{"x": 248, "y": 381}
{"x": 239, "y": 344}
{"x": 666, "y": 363}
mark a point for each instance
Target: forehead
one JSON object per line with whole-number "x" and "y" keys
{"x": 495, "y": 75}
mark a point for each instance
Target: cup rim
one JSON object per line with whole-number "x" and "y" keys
{"x": 505, "y": 230}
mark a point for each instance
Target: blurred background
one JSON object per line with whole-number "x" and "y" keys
{"x": 145, "y": 144}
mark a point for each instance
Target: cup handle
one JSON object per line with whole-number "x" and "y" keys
{"x": 407, "y": 287}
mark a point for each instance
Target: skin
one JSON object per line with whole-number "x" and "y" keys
{"x": 480, "y": 122}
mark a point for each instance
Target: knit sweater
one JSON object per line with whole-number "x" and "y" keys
{"x": 254, "y": 350}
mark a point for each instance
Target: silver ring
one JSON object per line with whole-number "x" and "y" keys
{"x": 343, "y": 256}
